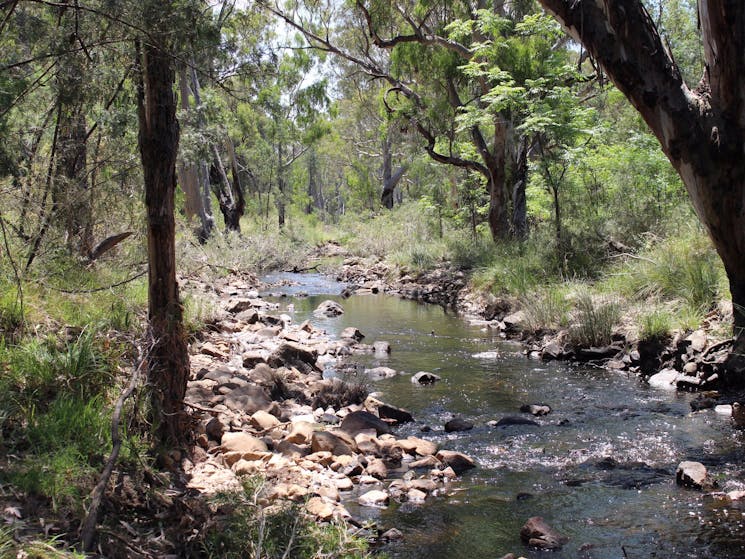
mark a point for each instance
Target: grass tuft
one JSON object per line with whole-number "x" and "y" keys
{"x": 593, "y": 321}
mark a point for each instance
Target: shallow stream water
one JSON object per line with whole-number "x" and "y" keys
{"x": 600, "y": 468}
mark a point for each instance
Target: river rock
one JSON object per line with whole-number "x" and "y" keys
{"x": 381, "y": 349}
{"x": 416, "y": 496}
{"x": 242, "y": 442}
{"x": 247, "y": 399}
{"x": 694, "y": 475}
{"x": 513, "y": 322}
{"x": 393, "y": 534}
{"x": 329, "y": 308}
{"x": 263, "y": 420}
{"x": 423, "y": 377}
{"x": 396, "y": 415}
{"x": 738, "y": 414}
{"x": 537, "y": 533}
{"x": 301, "y": 432}
{"x": 666, "y": 379}
{"x": 358, "y": 421}
{"x": 458, "y": 424}
{"x": 325, "y": 441}
{"x": 374, "y": 498}
{"x": 352, "y": 333}
{"x": 320, "y": 508}
{"x": 292, "y": 353}
{"x": 419, "y": 446}
{"x": 536, "y": 409}
{"x": 380, "y": 373}
{"x": 428, "y": 462}
{"x": 457, "y": 461}
{"x": 377, "y": 468}
{"x": 509, "y": 420}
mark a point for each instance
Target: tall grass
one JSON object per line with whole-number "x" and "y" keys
{"x": 545, "y": 309}
{"x": 683, "y": 267}
{"x": 593, "y": 321}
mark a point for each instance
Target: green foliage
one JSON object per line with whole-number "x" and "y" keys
{"x": 283, "y": 531}
{"x": 655, "y": 325}
{"x": 683, "y": 266}
{"x": 10, "y": 549}
{"x": 545, "y": 309}
{"x": 11, "y": 312}
{"x": 593, "y": 321}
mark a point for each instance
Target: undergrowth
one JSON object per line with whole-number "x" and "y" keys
{"x": 248, "y": 530}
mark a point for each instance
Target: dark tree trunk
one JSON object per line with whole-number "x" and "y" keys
{"x": 230, "y": 208}
{"x": 390, "y": 178}
{"x": 168, "y": 360}
{"x": 701, "y": 130}
{"x": 519, "y": 184}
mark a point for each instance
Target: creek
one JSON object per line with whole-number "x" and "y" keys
{"x": 600, "y": 468}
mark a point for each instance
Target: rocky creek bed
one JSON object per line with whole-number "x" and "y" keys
{"x": 597, "y": 454}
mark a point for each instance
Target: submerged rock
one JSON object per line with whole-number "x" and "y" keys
{"x": 424, "y": 377}
{"x": 508, "y": 420}
{"x": 458, "y": 424}
{"x": 537, "y": 533}
{"x": 536, "y": 409}
{"x": 329, "y": 308}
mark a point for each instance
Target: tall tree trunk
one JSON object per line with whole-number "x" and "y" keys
{"x": 519, "y": 184}
{"x": 281, "y": 186}
{"x": 168, "y": 362}
{"x": 229, "y": 207}
{"x": 187, "y": 172}
{"x": 217, "y": 177}
{"x": 390, "y": 178}
{"x": 73, "y": 194}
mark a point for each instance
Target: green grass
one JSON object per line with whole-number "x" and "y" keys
{"x": 545, "y": 309}
{"x": 593, "y": 321}
{"x": 655, "y": 325}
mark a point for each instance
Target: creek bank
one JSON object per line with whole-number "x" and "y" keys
{"x": 687, "y": 361}
{"x": 263, "y": 407}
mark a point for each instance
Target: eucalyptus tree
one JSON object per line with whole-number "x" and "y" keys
{"x": 701, "y": 127}
{"x": 442, "y": 61}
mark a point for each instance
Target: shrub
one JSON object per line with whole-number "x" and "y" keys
{"x": 593, "y": 322}
{"x": 276, "y": 533}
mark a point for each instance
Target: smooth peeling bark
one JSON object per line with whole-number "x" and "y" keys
{"x": 168, "y": 360}
{"x": 701, "y": 130}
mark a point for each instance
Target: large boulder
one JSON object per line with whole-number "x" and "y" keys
{"x": 329, "y": 308}
{"x": 358, "y": 421}
{"x": 537, "y": 533}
